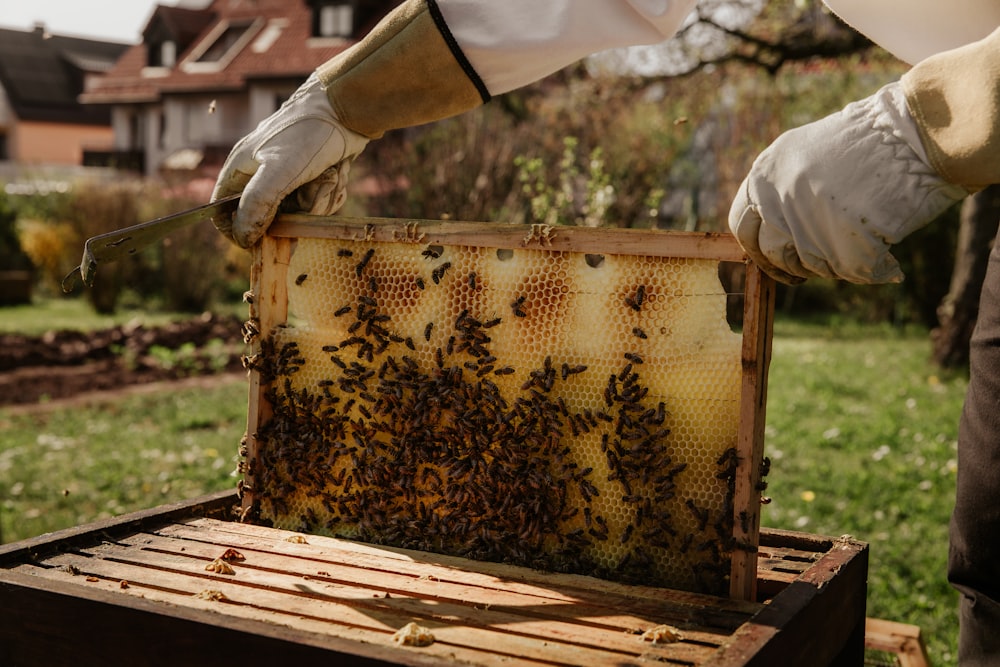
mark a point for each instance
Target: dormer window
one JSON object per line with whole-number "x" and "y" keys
{"x": 162, "y": 54}
{"x": 221, "y": 45}
{"x": 227, "y": 40}
{"x": 333, "y": 19}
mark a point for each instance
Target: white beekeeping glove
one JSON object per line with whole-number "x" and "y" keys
{"x": 830, "y": 198}
{"x": 403, "y": 73}
{"x": 293, "y": 147}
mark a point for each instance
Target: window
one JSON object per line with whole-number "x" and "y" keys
{"x": 334, "y": 19}
{"x": 227, "y": 39}
{"x": 168, "y": 53}
{"x": 221, "y": 45}
{"x": 162, "y": 54}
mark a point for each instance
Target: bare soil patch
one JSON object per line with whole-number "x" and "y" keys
{"x": 66, "y": 364}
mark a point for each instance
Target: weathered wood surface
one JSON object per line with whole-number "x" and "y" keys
{"x": 135, "y": 587}
{"x": 612, "y": 240}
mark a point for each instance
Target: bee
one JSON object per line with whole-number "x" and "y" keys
{"x": 700, "y": 515}
{"x": 639, "y": 333}
{"x": 634, "y": 358}
{"x": 472, "y": 280}
{"x": 301, "y": 279}
{"x": 343, "y": 310}
{"x": 359, "y": 269}
{"x": 248, "y": 297}
{"x": 491, "y": 323}
{"x": 427, "y": 331}
{"x": 420, "y": 282}
{"x": 431, "y": 252}
{"x": 438, "y": 273}
{"x": 344, "y": 252}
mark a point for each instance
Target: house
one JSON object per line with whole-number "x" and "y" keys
{"x": 202, "y": 78}
{"x": 41, "y": 75}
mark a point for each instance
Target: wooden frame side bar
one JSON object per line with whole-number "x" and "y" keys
{"x": 758, "y": 318}
{"x": 268, "y": 308}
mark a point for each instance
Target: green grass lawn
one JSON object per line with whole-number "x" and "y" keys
{"x": 66, "y": 467}
{"x": 56, "y": 313}
{"x": 861, "y": 431}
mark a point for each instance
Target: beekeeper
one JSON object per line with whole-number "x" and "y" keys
{"x": 827, "y": 199}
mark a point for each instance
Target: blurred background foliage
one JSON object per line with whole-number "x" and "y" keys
{"x": 653, "y": 137}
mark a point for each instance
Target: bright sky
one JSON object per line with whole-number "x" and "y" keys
{"x": 113, "y": 20}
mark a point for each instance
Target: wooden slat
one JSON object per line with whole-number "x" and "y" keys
{"x": 600, "y": 240}
{"x": 758, "y": 316}
{"x": 568, "y": 587}
{"x": 468, "y": 589}
{"x": 902, "y": 639}
{"x": 268, "y": 308}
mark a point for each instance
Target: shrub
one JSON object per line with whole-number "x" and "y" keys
{"x": 54, "y": 248}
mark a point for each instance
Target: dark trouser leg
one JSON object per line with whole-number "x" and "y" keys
{"x": 974, "y": 559}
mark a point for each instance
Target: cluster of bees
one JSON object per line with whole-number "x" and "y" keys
{"x": 431, "y": 442}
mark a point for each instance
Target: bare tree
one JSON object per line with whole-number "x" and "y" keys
{"x": 959, "y": 309}
{"x": 766, "y": 35}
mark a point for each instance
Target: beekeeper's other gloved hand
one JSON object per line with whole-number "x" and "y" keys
{"x": 403, "y": 73}
{"x": 830, "y": 198}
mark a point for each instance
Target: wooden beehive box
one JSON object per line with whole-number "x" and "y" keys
{"x": 147, "y": 589}
{"x": 569, "y": 399}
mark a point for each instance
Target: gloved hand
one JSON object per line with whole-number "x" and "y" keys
{"x": 301, "y": 142}
{"x": 404, "y": 72}
{"x": 830, "y": 198}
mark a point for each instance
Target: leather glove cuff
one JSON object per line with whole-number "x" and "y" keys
{"x": 406, "y": 72}
{"x": 954, "y": 97}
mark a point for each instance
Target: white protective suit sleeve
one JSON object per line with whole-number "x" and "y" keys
{"x": 511, "y": 43}
{"x": 912, "y": 30}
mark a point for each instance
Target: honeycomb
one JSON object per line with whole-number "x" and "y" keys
{"x": 560, "y": 410}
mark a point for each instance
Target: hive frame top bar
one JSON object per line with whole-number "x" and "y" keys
{"x": 603, "y": 240}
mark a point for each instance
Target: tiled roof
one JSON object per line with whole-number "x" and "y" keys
{"x": 281, "y": 47}
{"x": 42, "y": 74}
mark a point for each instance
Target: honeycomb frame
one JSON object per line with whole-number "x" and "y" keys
{"x": 710, "y": 541}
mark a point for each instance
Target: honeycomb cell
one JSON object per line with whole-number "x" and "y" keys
{"x": 527, "y": 406}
